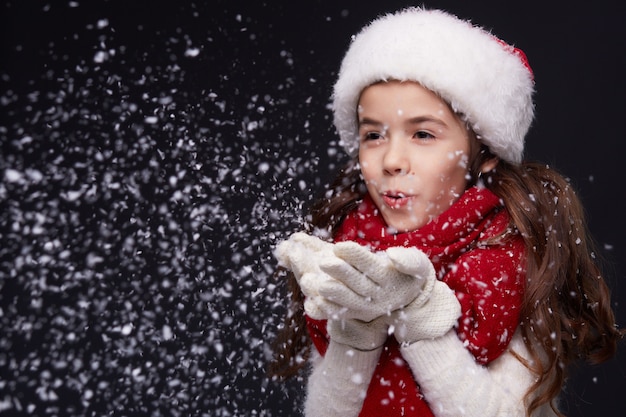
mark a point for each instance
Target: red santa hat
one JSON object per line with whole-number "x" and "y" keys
{"x": 486, "y": 81}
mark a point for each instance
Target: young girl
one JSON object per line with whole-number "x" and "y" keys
{"x": 440, "y": 275}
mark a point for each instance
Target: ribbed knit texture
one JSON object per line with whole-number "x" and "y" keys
{"x": 338, "y": 385}
{"x": 488, "y": 281}
{"x": 456, "y": 387}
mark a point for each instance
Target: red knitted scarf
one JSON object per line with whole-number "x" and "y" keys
{"x": 443, "y": 239}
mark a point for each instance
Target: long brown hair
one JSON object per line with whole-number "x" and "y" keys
{"x": 566, "y": 311}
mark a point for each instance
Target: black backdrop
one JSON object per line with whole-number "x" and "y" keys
{"x": 153, "y": 152}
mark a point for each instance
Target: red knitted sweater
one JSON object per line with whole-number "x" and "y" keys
{"x": 487, "y": 277}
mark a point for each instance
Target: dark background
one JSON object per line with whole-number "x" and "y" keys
{"x": 154, "y": 152}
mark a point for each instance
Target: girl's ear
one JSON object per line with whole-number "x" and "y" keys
{"x": 489, "y": 165}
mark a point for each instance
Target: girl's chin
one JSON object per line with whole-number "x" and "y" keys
{"x": 403, "y": 225}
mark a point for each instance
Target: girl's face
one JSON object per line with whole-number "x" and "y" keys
{"x": 413, "y": 152}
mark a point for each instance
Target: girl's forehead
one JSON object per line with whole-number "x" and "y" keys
{"x": 405, "y": 99}
{"x": 402, "y": 89}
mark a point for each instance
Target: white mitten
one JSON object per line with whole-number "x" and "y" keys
{"x": 426, "y": 317}
{"x": 357, "y": 334}
{"x": 312, "y": 244}
{"x": 368, "y": 285}
{"x": 301, "y": 254}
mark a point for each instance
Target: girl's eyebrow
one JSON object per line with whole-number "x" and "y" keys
{"x": 366, "y": 121}
{"x": 424, "y": 119}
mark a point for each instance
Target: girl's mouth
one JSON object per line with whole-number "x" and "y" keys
{"x": 396, "y": 200}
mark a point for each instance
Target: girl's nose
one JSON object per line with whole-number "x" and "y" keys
{"x": 396, "y": 160}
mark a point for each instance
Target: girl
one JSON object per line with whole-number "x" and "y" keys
{"x": 440, "y": 275}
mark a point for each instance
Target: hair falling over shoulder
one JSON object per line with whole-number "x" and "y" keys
{"x": 566, "y": 313}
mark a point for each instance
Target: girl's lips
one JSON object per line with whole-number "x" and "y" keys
{"x": 396, "y": 200}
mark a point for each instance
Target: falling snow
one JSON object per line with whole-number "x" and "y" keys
{"x": 145, "y": 176}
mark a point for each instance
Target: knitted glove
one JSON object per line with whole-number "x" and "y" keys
{"x": 357, "y": 334}
{"x": 301, "y": 254}
{"x": 368, "y": 285}
{"x": 426, "y": 317}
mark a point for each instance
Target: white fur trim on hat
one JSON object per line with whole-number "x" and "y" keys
{"x": 485, "y": 80}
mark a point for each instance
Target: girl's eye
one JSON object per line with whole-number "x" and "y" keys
{"x": 372, "y": 136}
{"x": 423, "y": 135}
